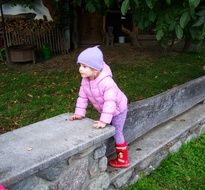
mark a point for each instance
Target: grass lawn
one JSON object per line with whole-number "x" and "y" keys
{"x": 30, "y": 93}
{"x": 184, "y": 170}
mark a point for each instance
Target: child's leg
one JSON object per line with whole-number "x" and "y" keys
{"x": 118, "y": 122}
{"x": 122, "y": 160}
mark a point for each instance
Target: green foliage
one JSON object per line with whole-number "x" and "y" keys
{"x": 169, "y": 19}
{"x": 125, "y": 6}
{"x": 109, "y": 3}
{"x": 168, "y": 2}
{"x": 182, "y": 19}
{"x": 159, "y": 34}
{"x": 199, "y": 22}
{"x": 179, "y": 31}
{"x": 185, "y": 18}
{"x": 149, "y": 3}
{"x": 194, "y": 3}
{"x": 99, "y": 6}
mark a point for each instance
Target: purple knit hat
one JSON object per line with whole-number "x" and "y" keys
{"x": 92, "y": 57}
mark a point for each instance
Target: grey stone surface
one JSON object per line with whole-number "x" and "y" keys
{"x": 53, "y": 172}
{"x": 148, "y": 170}
{"x": 122, "y": 180}
{"x": 37, "y": 146}
{"x": 41, "y": 187}
{"x": 202, "y": 129}
{"x": 134, "y": 178}
{"x": 184, "y": 136}
{"x": 159, "y": 157}
{"x": 74, "y": 177}
{"x": 175, "y": 147}
{"x": 100, "y": 152}
{"x": 111, "y": 188}
{"x": 84, "y": 153}
{"x": 93, "y": 167}
{"x": 103, "y": 164}
{"x": 30, "y": 183}
{"x": 159, "y": 138}
{"x": 190, "y": 137}
{"x": 100, "y": 183}
{"x": 146, "y": 114}
{"x": 145, "y": 163}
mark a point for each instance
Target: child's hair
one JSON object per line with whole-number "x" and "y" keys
{"x": 92, "y": 57}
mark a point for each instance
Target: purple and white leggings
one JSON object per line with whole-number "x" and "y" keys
{"x": 118, "y": 122}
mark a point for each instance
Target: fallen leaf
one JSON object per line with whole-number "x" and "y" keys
{"x": 29, "y": 148}
{"x": 30, "y": 95}
{"x": 139, "y": 98}
{"x": 175, "y": 85}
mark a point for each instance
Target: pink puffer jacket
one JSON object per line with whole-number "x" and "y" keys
{"x": 104, "y": 94}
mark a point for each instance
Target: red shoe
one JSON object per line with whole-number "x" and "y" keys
{"x": 2, "y": 187}
{"x": 122, "y": 157}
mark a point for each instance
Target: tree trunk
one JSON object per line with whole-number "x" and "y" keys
{"x": 190, "y": 46}
{"x": 75, "y": 39}
{"x": 133, "y": 35}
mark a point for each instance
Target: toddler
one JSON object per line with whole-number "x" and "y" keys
{"x": 98, "y": 87}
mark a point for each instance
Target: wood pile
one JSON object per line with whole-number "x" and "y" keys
{"x": 28, "y": 26}
{"x": 24, "y": 30}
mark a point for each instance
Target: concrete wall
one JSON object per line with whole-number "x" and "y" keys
{"x": 146, "y": 114}
{"x": 57, "y": 154}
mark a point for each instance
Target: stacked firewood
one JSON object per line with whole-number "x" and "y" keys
{"x": 25, "y": 25}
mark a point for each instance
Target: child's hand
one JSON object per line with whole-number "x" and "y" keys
{"x": 75, "y": 117}
{"x": 99, "y": 124}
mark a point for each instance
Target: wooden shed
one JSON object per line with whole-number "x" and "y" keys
{"x": 92, "y": 27}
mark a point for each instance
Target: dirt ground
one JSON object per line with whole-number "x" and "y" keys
{"x": 119, "y": 53}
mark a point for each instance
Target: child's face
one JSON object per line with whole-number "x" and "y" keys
{"x": 86, "y": 72}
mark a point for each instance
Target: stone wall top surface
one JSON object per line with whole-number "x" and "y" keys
{"x": 146, "y": 114}
{"x": 28, "y": 149}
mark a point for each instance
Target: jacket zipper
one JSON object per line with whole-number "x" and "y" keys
{"x": 93, "y": 95}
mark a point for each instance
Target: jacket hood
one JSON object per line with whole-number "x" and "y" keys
{"x": 106, "y": 71}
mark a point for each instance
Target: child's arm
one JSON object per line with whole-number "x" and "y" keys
{"x": 99, "y": 124}
{"x": 75, "y": 117}
{"x": 109, "y": 106}
{"x": 81, "y": 105}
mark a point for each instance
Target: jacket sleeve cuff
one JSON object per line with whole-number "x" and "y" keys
{"x": 106, "y": 118}
{"x": 80, "y": 111}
